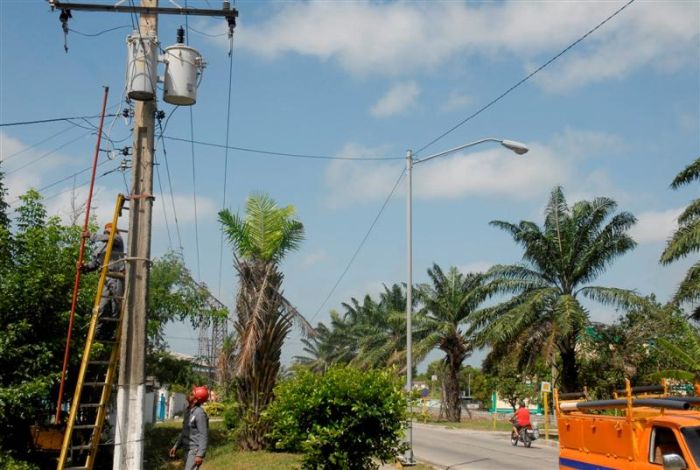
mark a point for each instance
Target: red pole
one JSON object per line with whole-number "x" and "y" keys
{"x": 83, "y": 238}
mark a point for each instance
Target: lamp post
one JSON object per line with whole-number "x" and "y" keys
{"x": 516, "y": 147}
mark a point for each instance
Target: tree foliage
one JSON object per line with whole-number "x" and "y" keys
{"x": 449, "y": 303}
{"x": 260, "y": 239}
{"x": 686, "y": 240}
{"x": 37, "y": 270}
{"x": 342, "y": 419}
{"x": 544, "y": 316}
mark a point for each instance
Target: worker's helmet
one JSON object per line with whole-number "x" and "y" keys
{"x": 108, "y": 226}
{"x": 201, "y": 394}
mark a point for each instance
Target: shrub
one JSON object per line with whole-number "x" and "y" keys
{"x": 213, "y": 408}
{"x": 231, "y": 415}
{"x": 341, "y": 419}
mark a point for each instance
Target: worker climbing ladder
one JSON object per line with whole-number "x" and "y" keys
{"x": 97, "y": 369}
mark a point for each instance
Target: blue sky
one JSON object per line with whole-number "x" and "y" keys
{"x": 618, "y": 115}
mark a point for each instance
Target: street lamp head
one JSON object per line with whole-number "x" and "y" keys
{"x": 516, "y": 147}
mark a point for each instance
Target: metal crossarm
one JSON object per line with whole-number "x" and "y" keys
{"x": 86, "y": 420}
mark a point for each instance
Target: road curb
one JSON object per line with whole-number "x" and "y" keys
{"x": 540, "y": 441}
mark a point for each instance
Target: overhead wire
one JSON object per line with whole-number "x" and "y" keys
{"x": 523, "y": 80}
{"x": 43, "y": 121}
{"x": 194, "y": 172}
{"x": 218, "y": 35}
{"x": 170, "y": 182}
{"x": 50, "y": 152}
{"x": 228, "y": 128}
{"x": 100, "y": 33}
{"x": 282, "y": 154}
{"x": 359, "y": 247}
{"x": 42, "y": 141}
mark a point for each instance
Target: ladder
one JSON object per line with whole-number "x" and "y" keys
{"x": 97, "y": 371}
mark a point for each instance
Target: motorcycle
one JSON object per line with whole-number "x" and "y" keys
{"x": 526, "y": 436}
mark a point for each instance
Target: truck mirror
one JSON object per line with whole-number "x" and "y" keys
{"x": 674, "y": 462}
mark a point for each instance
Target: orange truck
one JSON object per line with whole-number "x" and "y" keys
{"x": 650, "y": 431}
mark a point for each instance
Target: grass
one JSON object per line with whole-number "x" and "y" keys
{"x": 221, "y": 455}
{"x": 475, "y": 424}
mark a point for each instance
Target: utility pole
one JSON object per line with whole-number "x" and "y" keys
{"x": 129, "y": 429}
{"x": 131, "y": 391}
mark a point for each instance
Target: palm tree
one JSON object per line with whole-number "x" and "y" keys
{"x": 544, "y": 316}
{"x": 686, "y": 240}
{"x": 264, "y": 317}
{"x": 449, "y": 304}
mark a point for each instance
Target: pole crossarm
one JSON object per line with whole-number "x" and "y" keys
{"x": 226, "y": 12}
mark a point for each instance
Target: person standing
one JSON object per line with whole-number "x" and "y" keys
{"x": 113, "y": 290}
{"x": 194, "y": 436}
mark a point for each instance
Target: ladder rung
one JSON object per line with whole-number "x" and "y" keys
{"x": 106, "y": 341}
{"x": 115, "y": 274}
{"x": 94, "y": 384}
{"x": 109, "y": 319}
{"x": 76, "y": 468}
{"x": 103, "y": 363}
{"x": 120, "y": 297}
{"x": 91, "y": 405}
{"x": 84, "y": 426}
{"x": 81, "y": 447}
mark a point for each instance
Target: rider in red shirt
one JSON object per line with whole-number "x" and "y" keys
{"x": 521, "y": 418}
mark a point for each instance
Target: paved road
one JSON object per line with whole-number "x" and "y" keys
{"x": 477, "y": 450}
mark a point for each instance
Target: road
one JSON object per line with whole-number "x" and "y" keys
{"x": 478, "y": 450}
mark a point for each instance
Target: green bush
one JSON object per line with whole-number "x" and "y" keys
{"x": 231, "y": 415}
{"x": 213, "y": 408}
{"x": 341, "y": 419}
{"x": 9, "y": 463}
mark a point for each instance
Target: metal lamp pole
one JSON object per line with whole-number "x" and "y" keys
{"x": 516, "y": 147}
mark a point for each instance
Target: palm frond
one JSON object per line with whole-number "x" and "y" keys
{"x": 622, "y": 298}
{"x": 687, "y": 175}
{"x": 684, "y": 241}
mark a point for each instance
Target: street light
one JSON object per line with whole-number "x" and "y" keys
{"x": 512, "y": 145}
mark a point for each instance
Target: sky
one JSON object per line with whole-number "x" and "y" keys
{"x": 617, "y": 115}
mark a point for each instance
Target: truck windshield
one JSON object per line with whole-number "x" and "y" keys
{"x": 692, "y": 438}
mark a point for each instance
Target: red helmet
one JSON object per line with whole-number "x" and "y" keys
{"x": 201, "y": 394}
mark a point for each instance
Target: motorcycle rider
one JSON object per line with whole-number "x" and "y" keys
{"x": 520, "y": 419}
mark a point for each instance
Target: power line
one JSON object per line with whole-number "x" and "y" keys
{"x": 281, "y": 154}
{"x": 170, "y": 181}
{"x": 194, "y": 196}
{"x": 228, "y": 128}
{"x": 92, "y": 35}
{"x": 206, "y": 34}
{"x": 362, "y": 243}
{"x": 5, "y": 159}
{"x": 43, "y": 121}
{"x": 528, "y": 77}
{"x": 165, "y": 211}
{"x": 36, "y": 160}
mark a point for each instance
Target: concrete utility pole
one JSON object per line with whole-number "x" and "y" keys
{"x": 131, "y": 391}
{"x": 129, "y": 429}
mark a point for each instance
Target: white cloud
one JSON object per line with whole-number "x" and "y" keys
{"x": 400, "y": 98}
{"x": 476, "y": 267}
{"x": 398, "y": 38}
{"x": 314, "y": 258}
{"x": 655, "y": 226}
{"x": 26, "y": 167}
{"x": 456, "y": 101}
{"x": 494, "y": 172}
{"x": 184, "y": 204}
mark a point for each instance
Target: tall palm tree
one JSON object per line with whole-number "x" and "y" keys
{"x": 264, "y": 317}
{"x": 686, "y": 240}
{"x": 449, "y": 304}
{"x": 544, "y": 316}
